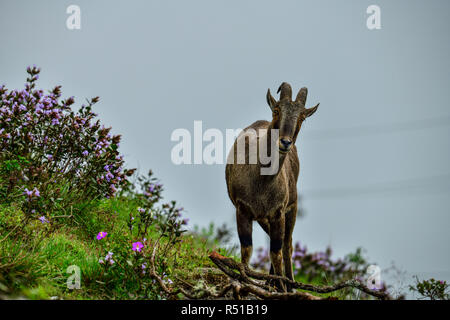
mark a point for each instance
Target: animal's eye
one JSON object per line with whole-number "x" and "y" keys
{"x": 275, "y": 112}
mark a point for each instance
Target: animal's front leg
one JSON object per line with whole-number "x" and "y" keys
{"x": 290, "y": 218}
{"x": 244, "y": 226}
{"x": 277, "y": 227}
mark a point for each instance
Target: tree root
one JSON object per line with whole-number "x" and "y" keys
{"x": 241, "y": 283}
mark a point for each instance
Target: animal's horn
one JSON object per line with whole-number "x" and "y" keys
{"x": 285, "y": 91}
{"x": 301, "y": 96}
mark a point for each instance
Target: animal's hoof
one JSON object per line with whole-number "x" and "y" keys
{"x": 289, "y": 288}
{"x": 272, "y": 283}
{"x": 278, "y": 285}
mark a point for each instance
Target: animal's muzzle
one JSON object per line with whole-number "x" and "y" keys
{"x": 285, "y": 144}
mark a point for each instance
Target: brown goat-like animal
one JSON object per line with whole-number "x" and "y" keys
{"x": 271, "y": 200}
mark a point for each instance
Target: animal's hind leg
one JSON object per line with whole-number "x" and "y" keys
{"x": 244, "y": 226}
{"x": 290, "y": 218}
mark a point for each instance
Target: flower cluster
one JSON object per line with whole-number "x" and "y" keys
{"x": 49, "y": 150}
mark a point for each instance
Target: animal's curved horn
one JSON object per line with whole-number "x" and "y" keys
{"x": 301, "y": 96}
{"x": 270, "y": 100}
{"x": 285, "y": 91}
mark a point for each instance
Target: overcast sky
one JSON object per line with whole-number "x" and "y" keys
{"x": 374, "y": 157}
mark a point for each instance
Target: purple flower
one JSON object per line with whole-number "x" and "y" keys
{"x": 109, "y": 176}
{"x": 108, "y": 258}
{"x": 168, "y": 280}
{"x": 101, "y": 235}
{"x": 141, "y": 210}
{"x": 85, "y": 153}
{"x": 137, "y": 246}
{"x": 28, "y": 192}
{"x": 31, "y": 193}
{"x": 43, "y": 219}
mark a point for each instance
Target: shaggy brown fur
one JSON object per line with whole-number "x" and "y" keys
{"x": 271, "y": 200}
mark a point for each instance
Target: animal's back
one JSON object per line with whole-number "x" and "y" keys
{"x": 232, "y": 162}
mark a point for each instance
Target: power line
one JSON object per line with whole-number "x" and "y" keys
{"x": 357, "y": 131}
{"x": 424, "y": 185}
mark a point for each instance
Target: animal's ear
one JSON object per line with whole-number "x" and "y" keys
{"x": 270, "y": 100}
{"x": 309, "y": 112}
{"x": 301, "y": 96}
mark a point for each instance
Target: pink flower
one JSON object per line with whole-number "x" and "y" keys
{"x": 137, "y": 246}
{"x": 101, "y": 235}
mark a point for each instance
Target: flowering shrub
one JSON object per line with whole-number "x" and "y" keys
{"x": 166, "y": 218}
{"x": 431, "y": 289}
{"x": 52, "y": 155}
{"x": 126, "y": 251}
{"x": 54, "y": 158}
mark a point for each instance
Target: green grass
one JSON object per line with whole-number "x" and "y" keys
{"x": 34, "y": 257}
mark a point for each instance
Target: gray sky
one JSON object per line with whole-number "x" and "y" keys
{"x": 374, "y": 158}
